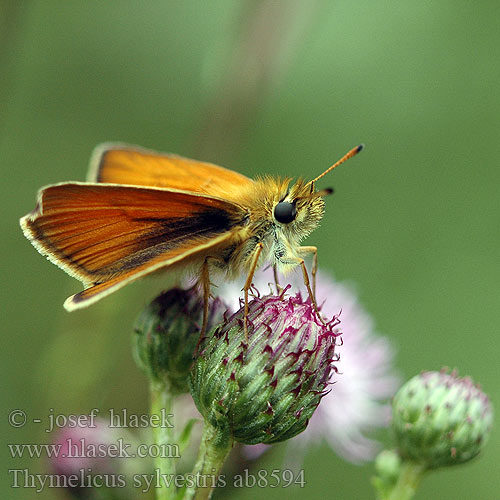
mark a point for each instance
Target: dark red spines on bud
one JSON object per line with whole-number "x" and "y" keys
{"x": 271, "y": 379}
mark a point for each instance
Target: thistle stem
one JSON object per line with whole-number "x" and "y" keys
{"x": 214, "y": 448}
{"x": 408, "y": 481}
{"x": 163, "y": 437}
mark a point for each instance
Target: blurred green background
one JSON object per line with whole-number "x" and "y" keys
{"x": 264, "y": 87}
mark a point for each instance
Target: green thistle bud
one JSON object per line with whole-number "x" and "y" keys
{"x": 166, "y": 334}
{"x": 388, "y": 469}
{"x": 265, "y": 388}
{"x": 440, "y": 419}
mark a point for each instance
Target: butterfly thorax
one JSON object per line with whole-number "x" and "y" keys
{"x": 281, "y": 241}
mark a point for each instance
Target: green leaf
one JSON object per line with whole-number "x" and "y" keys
{"x": 185, "y": 436}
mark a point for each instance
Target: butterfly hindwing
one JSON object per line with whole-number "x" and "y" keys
{"x": 125, "y": 164}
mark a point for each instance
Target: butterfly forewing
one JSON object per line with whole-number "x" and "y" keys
{"x": 107, "y": 235}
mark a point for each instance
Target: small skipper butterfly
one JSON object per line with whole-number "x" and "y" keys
{"x": 142, "y": 211}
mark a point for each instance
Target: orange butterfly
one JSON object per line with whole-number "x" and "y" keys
{"x": 142, "y": 211}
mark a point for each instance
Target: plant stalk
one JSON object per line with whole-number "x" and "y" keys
{"x": 214, "y": 448}
{"x": 408, "y": 481}
{"x": 163, "y": 437}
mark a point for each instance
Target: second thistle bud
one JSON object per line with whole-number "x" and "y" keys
{"x": 440, "y": 419}
{"x": 264, "y": 386}
{"x": 166, "y": 334}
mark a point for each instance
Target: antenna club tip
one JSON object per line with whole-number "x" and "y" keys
{"x": 359, "y": 148}
{"x": 328, "y": 191}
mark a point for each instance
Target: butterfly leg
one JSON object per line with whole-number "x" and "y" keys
{"x": 276, "y": 279}
{"x": 205, "y": 287}
{"x": 314, "y": 251}
{"x": 248, "y": 283}
{"x": 307, "y": 283}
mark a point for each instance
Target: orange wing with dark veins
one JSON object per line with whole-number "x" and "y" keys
{"x": 125, "y": 164}
{"x": 108, "y": 235}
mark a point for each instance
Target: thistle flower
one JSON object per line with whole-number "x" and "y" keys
{"x": 264, "y": 387}
{"x": 77, "y": 445}
{"x": 89, "y": 463}
{"x": 440, "y": 419}
{"x": 166, "y": 334}
{"x": 365, "y": 380}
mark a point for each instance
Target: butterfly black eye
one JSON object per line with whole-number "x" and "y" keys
{"x": 285, "y": 212}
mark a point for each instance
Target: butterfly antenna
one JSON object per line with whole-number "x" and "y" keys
{"x": 316, "y": 194}
{"x": 347, "y": 156}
